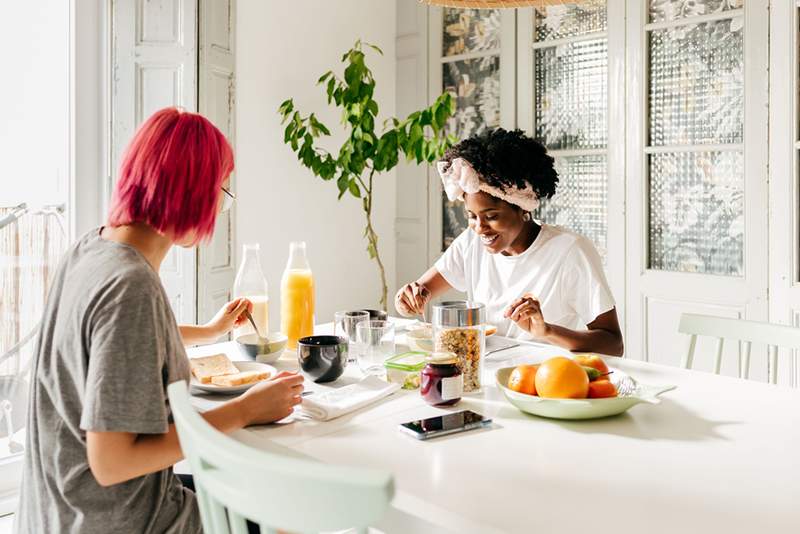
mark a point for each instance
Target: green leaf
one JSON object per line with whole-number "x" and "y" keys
{"x": 286, "y": 107}
{"x": 343, "y": 182}
{"x": 330, "y": 89}
{"x": 416, "y": 133}
{"x": 354, "y": 189}
{"x": 440, "y": 116}
{"x": 324, "y": 77}
{"x": 378, "y": 50}
{"x": 372, "y": 107}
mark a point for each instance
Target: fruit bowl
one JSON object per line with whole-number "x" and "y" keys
{"x": 631, "y": 393}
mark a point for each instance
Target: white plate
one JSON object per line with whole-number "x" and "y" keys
{"x": 631, "y": 393}
{"x": 227, "y": 390}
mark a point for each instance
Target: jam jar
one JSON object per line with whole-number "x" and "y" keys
{"x": 442, "y": 382}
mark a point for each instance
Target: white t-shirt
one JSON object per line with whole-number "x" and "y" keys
{"x": 561, "y": 269}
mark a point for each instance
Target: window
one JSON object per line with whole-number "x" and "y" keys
{"x": 471, "y": 50}
{"x": 696, "y": 131}
{"x": 570, "y": 108}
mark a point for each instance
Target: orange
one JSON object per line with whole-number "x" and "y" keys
{"x": 600, "y": 389}
{"x": 562, "y": 378}
{"x": 592, "y": 360}
{"x": 523, "y": 379}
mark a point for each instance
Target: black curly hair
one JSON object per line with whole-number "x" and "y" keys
{"x": 506, "y": 159}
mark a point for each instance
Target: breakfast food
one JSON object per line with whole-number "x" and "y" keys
{"x": 561, "y": 378}
{"x": 239, "y": 379}
{"x": 466, "y": 344}
{"x": 601, "y": 389}
{"x": 207, "y": 367}
{"x": 491, "y": 330}
{"x": 591, "y": 360}
{"x": 523, "y": 379}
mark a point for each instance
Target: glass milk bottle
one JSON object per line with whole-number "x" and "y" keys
{"x": 251, "y": 284}
{"x": 297, "y": 296}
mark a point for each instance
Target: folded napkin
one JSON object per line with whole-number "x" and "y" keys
{"x": 331, "y": 404}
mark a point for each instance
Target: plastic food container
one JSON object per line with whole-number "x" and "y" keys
{"x": 404, "y": 369}
{"x": 458, "y": 327}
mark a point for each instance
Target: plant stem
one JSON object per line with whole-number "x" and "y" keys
{"x": 372, "y": 237}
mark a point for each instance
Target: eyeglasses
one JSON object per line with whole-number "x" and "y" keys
{"x": 227, "y": 200}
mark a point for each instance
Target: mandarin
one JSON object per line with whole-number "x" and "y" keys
{"x": 561, "y": 378}
{"x": 601, "y": 389}
{"x": 523, "y": 379}
{"x": 591, "y": 360}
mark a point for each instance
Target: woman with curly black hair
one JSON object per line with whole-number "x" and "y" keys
{"x": 537, "y": 281}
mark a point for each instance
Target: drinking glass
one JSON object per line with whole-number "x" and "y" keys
{"x": 374, "y": 344}
{"x": 344, "y": 325}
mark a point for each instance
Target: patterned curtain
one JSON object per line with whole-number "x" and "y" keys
{"x": 30, "y": 249}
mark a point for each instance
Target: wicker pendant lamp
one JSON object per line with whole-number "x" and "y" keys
{"x": 494, "y": 4}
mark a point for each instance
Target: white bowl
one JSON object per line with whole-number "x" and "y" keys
{"x": 631, "y": 394}
{"x": 268, "y": 352}
{"x": 420, "y": 339}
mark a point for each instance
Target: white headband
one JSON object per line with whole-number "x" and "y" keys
{"x": 460, "y": 178}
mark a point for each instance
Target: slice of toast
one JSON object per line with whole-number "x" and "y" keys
{"x": 245, "y": 377}
{"x": 210, "y": 366}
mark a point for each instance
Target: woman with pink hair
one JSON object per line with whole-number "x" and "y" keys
{"x": 100, "y": 441}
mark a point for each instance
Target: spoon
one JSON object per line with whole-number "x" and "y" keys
{"x": 261, "y": 338}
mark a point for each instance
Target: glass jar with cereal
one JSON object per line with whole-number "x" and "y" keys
{"x": 458, "y": 327}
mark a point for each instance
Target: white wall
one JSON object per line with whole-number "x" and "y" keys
{"x": 282, "y": 49}
{"x": 34, "y": 102}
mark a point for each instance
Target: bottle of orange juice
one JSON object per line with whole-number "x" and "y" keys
{"x": 250, "y": 283}
{"x": 297, "y": 296}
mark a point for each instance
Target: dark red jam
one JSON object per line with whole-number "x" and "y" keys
{"x": 442, "y": 383}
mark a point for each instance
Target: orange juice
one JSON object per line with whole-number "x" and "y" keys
{"x": 297, "y": 305}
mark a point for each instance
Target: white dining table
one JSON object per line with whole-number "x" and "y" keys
{"x": 717, "y": 454}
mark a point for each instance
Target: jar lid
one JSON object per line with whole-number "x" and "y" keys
{"x": 459, "y": 313}
{"x": 442, "y": 358}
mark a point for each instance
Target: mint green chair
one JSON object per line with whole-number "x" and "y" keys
{"x": 236, "y": 482}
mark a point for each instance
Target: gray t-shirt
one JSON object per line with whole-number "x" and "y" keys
{"x": 108, "y": 348}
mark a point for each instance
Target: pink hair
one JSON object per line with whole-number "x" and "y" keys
{"x": 171, "y": 175}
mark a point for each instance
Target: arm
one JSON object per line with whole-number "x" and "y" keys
{"x": 228, "y": 317}
{"x": 116, "y": 457}
{"x": 411, "y": 299}
{"x": 603, "y": 334}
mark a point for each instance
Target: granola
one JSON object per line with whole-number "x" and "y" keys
{"x": 466, "y": 344}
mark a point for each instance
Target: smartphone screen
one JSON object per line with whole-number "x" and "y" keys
{"x": 444, "y": 424}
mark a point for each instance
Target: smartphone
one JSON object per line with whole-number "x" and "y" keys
{"x": 444, "y": 424}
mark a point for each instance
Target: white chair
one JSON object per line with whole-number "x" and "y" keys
{"x": 236, "y": 482}
{"x": 745, "y": 332}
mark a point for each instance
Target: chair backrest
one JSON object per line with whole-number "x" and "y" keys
{"x": 236, "y": 482}
{"x": 746, "y": 332}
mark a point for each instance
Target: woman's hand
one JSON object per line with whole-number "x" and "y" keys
{"x": 271, "y": 400}
{"x": 411, "y": 299}
{"x": 229, "y": 317}
{"x": 527, "y": 314}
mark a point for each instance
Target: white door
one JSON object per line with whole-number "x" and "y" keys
{"x": 217, "y": 260}
{"x": 154, "y": 65}
{"x": 697, "y": 170}
{"x": 784, "y": 146}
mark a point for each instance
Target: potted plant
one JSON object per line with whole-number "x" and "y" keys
{"x": 366, "y": 152}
